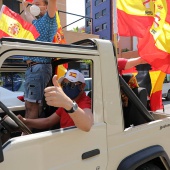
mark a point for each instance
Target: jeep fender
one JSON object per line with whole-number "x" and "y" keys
{"x": 135, "y": 160}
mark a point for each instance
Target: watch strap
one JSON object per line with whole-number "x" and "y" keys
{"x": 73, "y": 109}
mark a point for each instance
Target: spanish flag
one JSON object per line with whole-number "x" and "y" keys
{"x": 59, "y": 37}
{"x": 12, "y": 25}
{"x": 134, "y": 17}
{"x": 154, "y": 46}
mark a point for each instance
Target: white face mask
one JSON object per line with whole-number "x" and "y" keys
{"x": 35, "y": 10}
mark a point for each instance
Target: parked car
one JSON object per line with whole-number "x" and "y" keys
{"x": 166, "y": 91}
{"x": 13, "y": 100}
{"x": 88, "y": 86}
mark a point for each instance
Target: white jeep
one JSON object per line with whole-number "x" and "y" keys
{"x": 134, "y": 140}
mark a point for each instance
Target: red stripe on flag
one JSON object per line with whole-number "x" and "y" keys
{"x": 150, "y": 53}
{"x": 168, "y": 11}
{"x": 156, "y": 101}
{"x": 133, "y": 25}
{"x": 3, "y": 34}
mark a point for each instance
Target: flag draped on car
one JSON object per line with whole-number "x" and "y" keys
{"x": 12, "y": 25}
{"x": 134, "y": 17}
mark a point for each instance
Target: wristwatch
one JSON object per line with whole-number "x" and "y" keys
{"x": 73, "y": 109}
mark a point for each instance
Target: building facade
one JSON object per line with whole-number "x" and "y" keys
{"x": 101, "y": 23}
{"x": 101, "y": 13}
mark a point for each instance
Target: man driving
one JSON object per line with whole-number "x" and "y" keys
{"x": 74, "y": 106}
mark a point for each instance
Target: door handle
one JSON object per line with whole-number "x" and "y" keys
{"x": 90, "y": 154}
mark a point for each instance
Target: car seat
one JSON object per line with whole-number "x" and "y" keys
{"x": 132, "y": 115}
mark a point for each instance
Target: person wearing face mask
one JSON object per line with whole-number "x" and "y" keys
{"x": 42, "y": 14}
{"x": 74, "y": 106}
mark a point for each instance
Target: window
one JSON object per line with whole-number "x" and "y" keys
{"x": 104, "y": 12}
{"x": 98, "y": 15}
{"x": 104, "y": 26}
{"x": 97, "y": 29}
{"x": 97, "y": 2}
{"x": 88, "y": 10}
{"x": 101, "y": 27}
{"x": 88, "y": 22}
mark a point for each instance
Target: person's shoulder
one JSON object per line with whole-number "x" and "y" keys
{"x": 46, "y": 15}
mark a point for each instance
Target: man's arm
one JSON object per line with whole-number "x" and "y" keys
{"x": 54, "y": 95}
{"x": 41, "y": 123}
{"x": 132, "y": 62}
{"x": 51, "y": 8}
{"x": 83, "y": 119}
{"x": 27, "y": 14}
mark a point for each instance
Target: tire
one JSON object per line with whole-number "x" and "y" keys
{"x": 168, "y": 96}
{"x": 148, "y": 166}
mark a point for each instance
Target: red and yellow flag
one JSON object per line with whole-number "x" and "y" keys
{"x": 12, "y": 25}
{"x": 59, "y": 37}
{"x": 151, "y": 79}
{"x": 134, "y": 17}
{"x": 154, "y": 46}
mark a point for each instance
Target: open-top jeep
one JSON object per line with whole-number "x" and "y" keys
{"x": 133, "y": 140}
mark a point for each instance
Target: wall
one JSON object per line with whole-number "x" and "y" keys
{"x": 71, "y": 36}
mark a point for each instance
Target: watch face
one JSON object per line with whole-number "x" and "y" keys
{"x": 75, "y": 106}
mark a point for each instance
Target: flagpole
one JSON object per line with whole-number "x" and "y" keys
{"x": 115, "y": 28}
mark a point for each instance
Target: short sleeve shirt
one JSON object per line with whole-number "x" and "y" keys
{"x": 47, "y": 28}
{"x": 65, "y": 120}
{"x": 121, "y": 64}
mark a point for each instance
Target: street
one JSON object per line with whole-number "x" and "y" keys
{"x": 166, "y": 107}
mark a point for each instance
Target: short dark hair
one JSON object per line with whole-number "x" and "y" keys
{"x": 46, "y": 2}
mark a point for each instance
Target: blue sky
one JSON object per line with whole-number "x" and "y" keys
{"x": 75, "y": 7}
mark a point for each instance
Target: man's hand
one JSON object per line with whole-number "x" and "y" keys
{"x": 55, "y": 96}
{"x": 21, "y": 118}
{"x": 24, "y": 4}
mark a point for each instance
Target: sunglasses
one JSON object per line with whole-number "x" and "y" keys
{"x": 70, "y": 84}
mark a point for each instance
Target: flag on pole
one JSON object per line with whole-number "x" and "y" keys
{"x": 59, "y": 37}
{"x": 154, "y": 46}
{"x": 12, "y": 25}
{"x": 134, "y": 17}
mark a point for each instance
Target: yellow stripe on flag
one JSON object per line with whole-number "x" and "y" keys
{"x": 14, "y": 29}
{"x": 160, "y": 28}
{"x": 136, "y": 7}
{"x": 157, "y": 79}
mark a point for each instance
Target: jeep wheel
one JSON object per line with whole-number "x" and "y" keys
{"x": 148, "y": 166}
{"x": 168, "y": 95}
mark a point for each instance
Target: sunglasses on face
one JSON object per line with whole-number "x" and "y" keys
{"x": 70, "y": 84}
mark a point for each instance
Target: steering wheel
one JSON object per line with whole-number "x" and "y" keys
{"x": 21, "y": 125}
